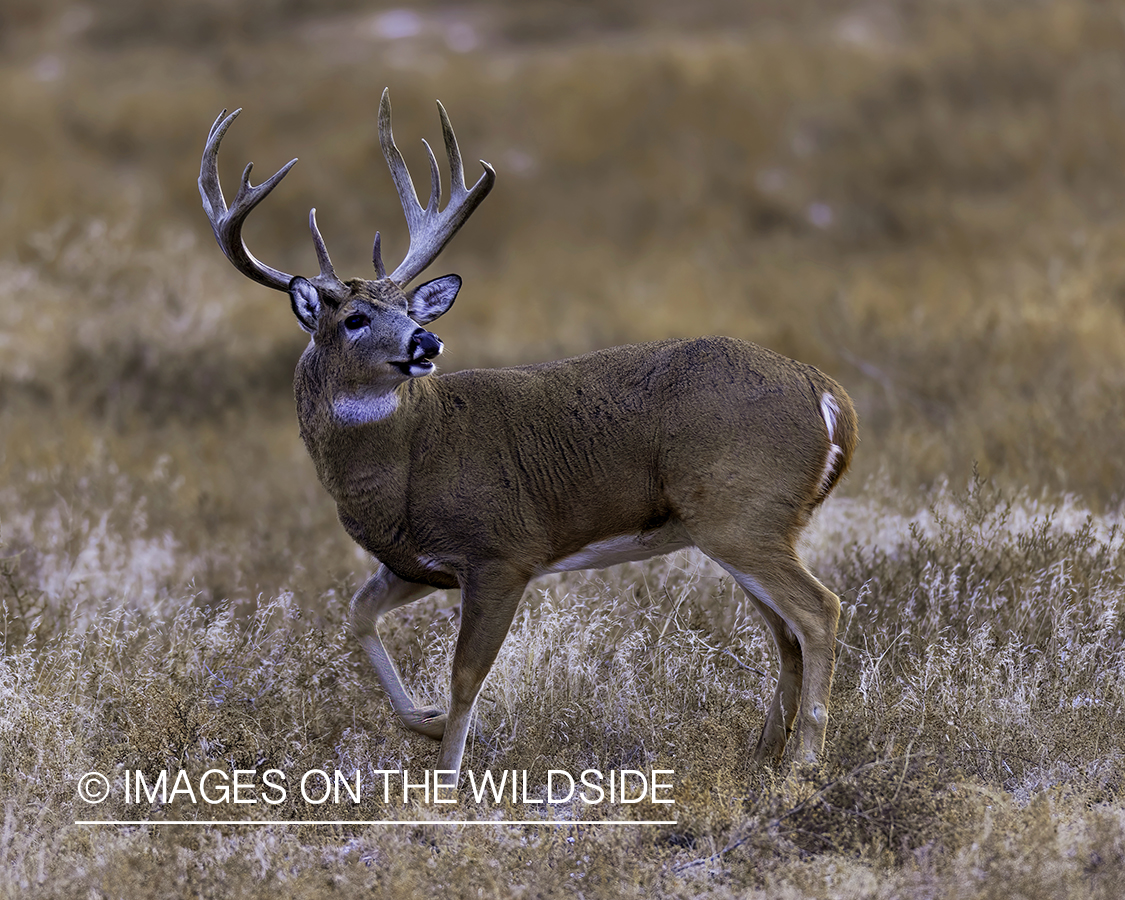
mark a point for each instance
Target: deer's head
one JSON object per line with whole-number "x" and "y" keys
{"x": 371, "y": 329}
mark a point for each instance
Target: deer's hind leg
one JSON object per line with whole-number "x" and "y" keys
{"x": 783, "y": 708}
{"x": 803, "y": 615}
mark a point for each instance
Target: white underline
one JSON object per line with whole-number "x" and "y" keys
{"x": 552, "y": 822}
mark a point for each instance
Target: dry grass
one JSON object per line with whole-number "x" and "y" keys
{"x": 922, "y": 199}
{"x": 976, "y": 730}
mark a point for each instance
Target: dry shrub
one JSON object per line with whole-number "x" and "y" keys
{"x": 987, "y": 556}
{"x": 885, "y": 810}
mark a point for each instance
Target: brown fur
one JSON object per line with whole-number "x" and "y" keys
{"x": 484, "y": 478}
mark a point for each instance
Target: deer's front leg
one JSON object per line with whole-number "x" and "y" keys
{"x": 488, "y": 604}
{"x": 381, "y": 593}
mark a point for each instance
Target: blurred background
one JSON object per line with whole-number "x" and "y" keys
{"x": 924, "y": 199}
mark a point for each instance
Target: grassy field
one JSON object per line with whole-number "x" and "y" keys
{"x": 924, "y": 200}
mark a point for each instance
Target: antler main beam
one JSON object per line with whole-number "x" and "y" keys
{"x": 430, "y": 229}
{"x": 227, "y": 223}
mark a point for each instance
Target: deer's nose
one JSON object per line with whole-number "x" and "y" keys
{"x": 424, "y": 345}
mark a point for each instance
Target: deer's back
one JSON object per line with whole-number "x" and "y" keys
{"x": 553, "y": 457}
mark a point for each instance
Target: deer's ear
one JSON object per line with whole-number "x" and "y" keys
{"x": 432, "y": 299}
{"x": 305, "y": 300}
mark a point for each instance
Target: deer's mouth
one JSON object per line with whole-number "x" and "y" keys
{"x": 414, "y": 368}
{"x": 424, "y": 347}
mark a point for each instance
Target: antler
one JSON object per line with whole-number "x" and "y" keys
{"x": 227, "y": 223}
{"x": 430, "y": 230}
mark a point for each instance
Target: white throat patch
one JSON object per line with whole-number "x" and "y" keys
{"x": 363, "y": 409}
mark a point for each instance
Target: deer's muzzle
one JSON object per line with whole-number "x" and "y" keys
{"x": 424, "y": 345}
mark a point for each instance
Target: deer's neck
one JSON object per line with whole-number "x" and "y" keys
{"x": 360, "y": 442}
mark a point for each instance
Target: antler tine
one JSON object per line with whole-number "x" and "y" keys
{"x": 399, "y": 173}
{"x": 430, "y": 229}
{"x": 435, "y": 180}
{"x": 377, "y": 258}
{"x": 456, "y": 169}
{"x": 227, "y": 223}
{"x": 327, "y": 278}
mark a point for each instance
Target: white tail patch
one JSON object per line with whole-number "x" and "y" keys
{"x": 829, "y": 410}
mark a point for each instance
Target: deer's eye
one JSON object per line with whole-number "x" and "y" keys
{"x": 356, "y": 322}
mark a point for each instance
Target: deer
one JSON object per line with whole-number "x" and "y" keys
{"x": 484, "y": 479}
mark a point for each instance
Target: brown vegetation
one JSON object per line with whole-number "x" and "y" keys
{"x": 921, "y": 199}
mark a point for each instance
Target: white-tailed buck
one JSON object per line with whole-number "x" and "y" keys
{"x": 483, "y": 479}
